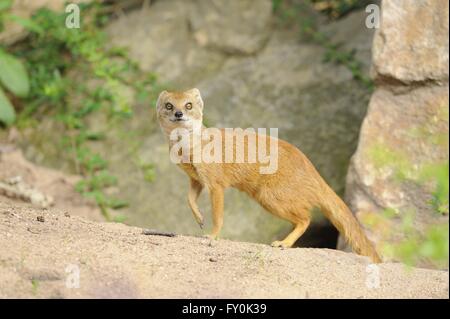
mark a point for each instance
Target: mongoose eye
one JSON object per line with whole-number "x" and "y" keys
{"x": 188, "y": 106}
{"x": 169, "y": 106}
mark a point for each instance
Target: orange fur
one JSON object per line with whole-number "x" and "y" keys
{"x": 291, "y": 193}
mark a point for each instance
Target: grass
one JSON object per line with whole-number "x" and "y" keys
{"x": 34, "y": 286}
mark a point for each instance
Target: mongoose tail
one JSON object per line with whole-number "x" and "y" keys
{"x": 342, "y": 218}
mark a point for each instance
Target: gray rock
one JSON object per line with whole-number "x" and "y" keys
{"x": 342, "y": 32}
{"x": 236, "y": 26}
{"x": 159, "y": 38}
{"x": 403, "y": 147}
{"x": 402, "y": 135}
{"x": 412, "y": 43}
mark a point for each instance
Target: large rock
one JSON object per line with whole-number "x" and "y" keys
{"x": 412, "y": 44}
{"x": 402, "y": 154}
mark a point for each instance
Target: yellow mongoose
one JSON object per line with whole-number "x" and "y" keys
{"x": 291, "y": 192}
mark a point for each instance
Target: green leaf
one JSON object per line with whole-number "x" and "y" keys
{"x": 13, "y": 75}
{"x": 27, "y": 24}
{"x": 7, "y": 113}
{"x": 5, "y": 5}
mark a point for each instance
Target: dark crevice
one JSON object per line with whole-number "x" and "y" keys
{"x": 319, "y": 235}
{"x": 402, "y": 87}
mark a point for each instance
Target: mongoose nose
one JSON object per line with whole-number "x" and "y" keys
{"x": 178, "y": 114}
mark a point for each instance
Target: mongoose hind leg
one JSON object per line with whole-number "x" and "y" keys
{"x": 297, "y": 232}
{"x": 298, "y": 215}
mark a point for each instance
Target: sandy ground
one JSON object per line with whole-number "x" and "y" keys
{"x": 65, "y": 252}
{"x": 44, "y": 252}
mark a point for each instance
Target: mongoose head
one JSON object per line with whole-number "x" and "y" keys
{"x": 179, "y": 109}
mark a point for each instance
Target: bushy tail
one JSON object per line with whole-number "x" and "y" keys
{"x": 342, "y": 218}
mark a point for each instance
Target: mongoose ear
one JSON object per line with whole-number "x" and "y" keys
{"x": 196, "y": 93}
{"x": 160, "y": 98}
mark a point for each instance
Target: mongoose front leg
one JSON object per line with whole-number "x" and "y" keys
{"x": 195, "y": 189}
{"x": 216, "y": 194}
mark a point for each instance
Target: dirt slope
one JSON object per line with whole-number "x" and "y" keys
{"x": 40, "y": 248}
{"x": 49, "y": 182}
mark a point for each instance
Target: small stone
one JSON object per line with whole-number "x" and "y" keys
{"x": 213, "y": 260}
{"x": 40, "y": 219}
{"x": 66, "y": 214}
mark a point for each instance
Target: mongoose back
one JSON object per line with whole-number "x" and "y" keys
{"x": 291, "y": 192}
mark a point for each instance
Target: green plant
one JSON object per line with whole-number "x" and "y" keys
{"x": 74, "y": 76}
{"x": 34, "y": 285}
{"x": 148, "y": 169}
{"x": 413, "y": 247}
{"x": 119, "y": 218}
{"x": 13, "y": 75}
{"x": 333, "y": 9}
{"x": 430, "y": 247}
{"x": 14, "y": 78}
{"x": 439, "y": 175}
{"x": 337, "y": 8}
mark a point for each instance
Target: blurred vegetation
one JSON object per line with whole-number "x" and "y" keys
{"x": 430, "y": 246}
{"x": 292, "y": 12}
{"x": 72, "y": 75}
{"x": 13, "y": 76}
{"x": 338, "y": 8}
{"x": 334, "y": 9}
{"x": 401, "y": 240}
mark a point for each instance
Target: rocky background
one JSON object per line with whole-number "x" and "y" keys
{"x": 403, "y": 145}
{"x": 252, "y": 72}
{"x": 257, "y": 71}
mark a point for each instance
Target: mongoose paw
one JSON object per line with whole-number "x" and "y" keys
{"x": 200, "y": 223}
{"x": 212, "y": 236}
{"x": 280, "y": 244}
